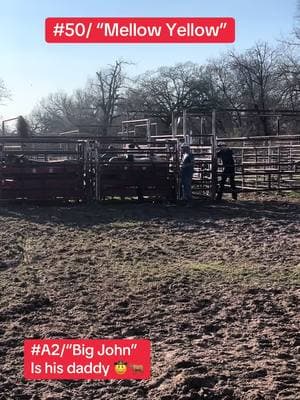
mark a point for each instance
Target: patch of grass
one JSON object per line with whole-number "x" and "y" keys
{"x": 293, "y": 194}
{"x": 124, "y": 224}
{"x": 216, "y": 266}
{"x": 147, "y": 276}
{"x": 246, "y": 273}
{"x": 291, "y": 276}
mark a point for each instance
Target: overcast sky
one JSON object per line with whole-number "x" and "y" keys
{"x": 32, "y": 69}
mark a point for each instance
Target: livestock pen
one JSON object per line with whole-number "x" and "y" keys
{"x": 42, "y": 169}
{"x": 141, "y": 162}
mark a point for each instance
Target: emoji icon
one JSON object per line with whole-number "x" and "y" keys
{"x": 120, "y": 367}
{"x": 137, "y": 368}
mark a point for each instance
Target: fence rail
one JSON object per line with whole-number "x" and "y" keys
{"x": 80, "y": 167}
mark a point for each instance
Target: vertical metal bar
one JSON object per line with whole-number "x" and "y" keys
{"x": 279, "y": 168}
{"x": 214, "y": 161}
{"x": 148, "y": 130}
{"x": 256, "y": 176}
{"x": 184, "y": 127}
{"x": 201, "y": 130}
{"x": 94, "y": 166}
{"x": 173, "y": 125}
{"x": 242, "y": 164}
{"x": 178, "y": 159}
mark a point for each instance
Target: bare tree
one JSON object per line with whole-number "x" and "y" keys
{"x": 257, "y": 86}
{"x": 107, "y": 90}
{"x": 168, "y": 89}
{"x": 92, "y": 109}
{"x": 23, "y": 127}
{"x": 289, "y": 79}
{"x": 4, "y": 93}
{"x": 259, "y": 78}
{"x": 226, "y": 93}
{"x": 55, "y": 113}
{"x": 296, "y": 30}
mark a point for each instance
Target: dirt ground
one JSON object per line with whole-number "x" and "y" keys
{"x": 216, "y": 288}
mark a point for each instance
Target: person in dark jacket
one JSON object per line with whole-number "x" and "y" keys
{"x": 186, "y": 172}
{"x": 226, "y": 155}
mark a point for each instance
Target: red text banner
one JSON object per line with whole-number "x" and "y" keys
{"x": 140, "y": 30}
{"x": 96, "y": 359}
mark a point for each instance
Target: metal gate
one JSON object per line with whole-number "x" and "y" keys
{"x": 266, "y": 163}
{"x": 42, "y": 168}
{"x": 136, "y": 168}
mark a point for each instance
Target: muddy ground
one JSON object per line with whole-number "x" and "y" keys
{"x": 216, "y": 288}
